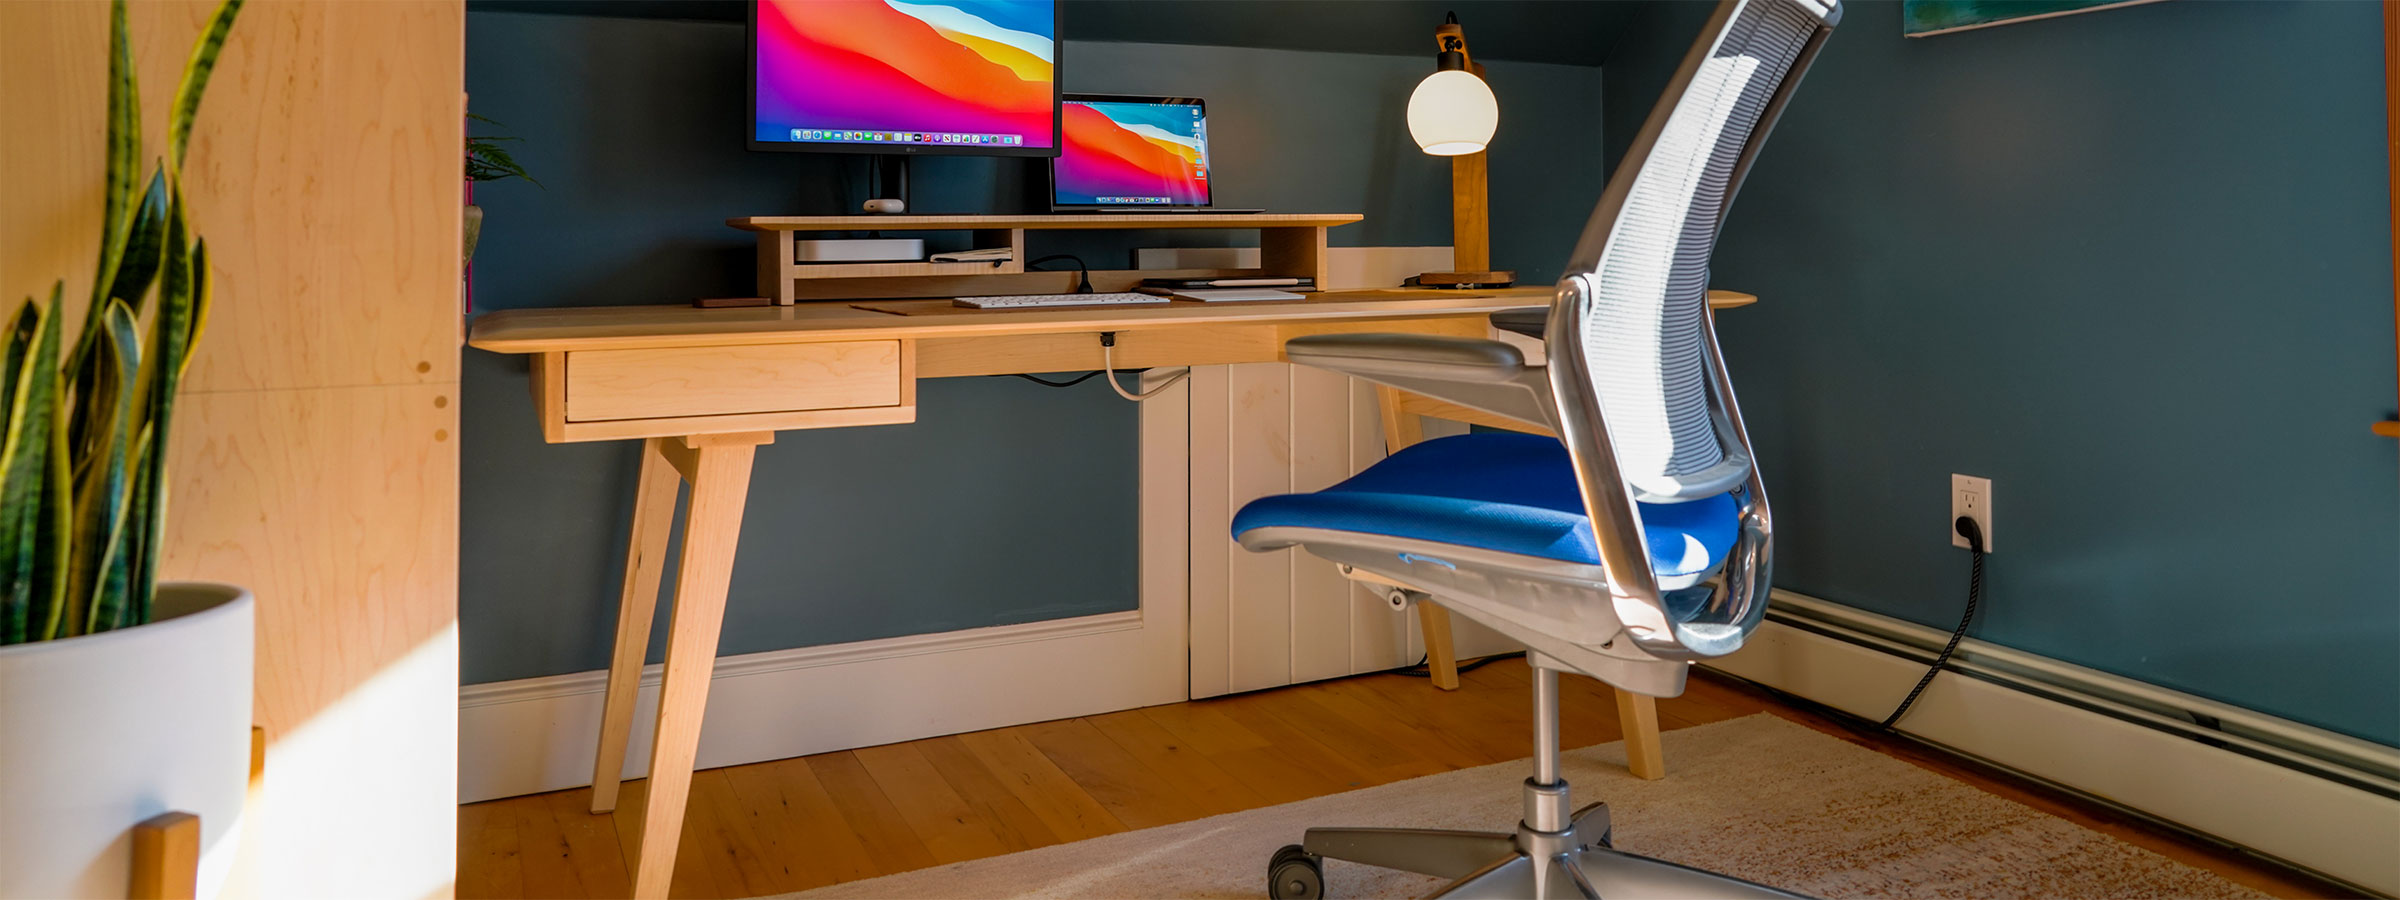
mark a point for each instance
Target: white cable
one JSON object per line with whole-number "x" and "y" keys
{"x": 1108, "y": 369}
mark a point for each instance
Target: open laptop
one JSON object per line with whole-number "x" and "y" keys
{"x": 1132, "y": 154}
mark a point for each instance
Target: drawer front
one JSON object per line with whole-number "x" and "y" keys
{"x": 605, "y": 385}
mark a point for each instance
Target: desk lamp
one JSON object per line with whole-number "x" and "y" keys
{"x": 1453, "y": 114}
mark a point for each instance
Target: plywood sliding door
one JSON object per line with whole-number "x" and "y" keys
{"x": 315, "y": 452}
{"x": 1266, "y": 619}
{"x": 1260, "y": 620}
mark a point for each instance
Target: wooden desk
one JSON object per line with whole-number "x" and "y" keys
{"x": 704, "y": 388}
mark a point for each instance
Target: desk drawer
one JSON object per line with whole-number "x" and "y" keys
{"x": 604, "y": 385}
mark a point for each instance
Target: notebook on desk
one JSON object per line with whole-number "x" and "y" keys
{"x": 1232, "y": 295}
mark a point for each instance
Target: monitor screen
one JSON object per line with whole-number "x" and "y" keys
{"x": 905, "y": 76}
{"x": 1131, "y": 152}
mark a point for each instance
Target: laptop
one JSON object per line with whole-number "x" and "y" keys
{"x": 1132, "y": 154}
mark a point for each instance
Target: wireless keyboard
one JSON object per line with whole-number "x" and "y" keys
{"x": 1037, "y": 301}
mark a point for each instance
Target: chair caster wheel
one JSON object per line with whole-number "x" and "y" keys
{"x": 1295, "y": 874}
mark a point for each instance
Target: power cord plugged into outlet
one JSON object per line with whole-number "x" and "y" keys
{"x": 1966, "y": 528}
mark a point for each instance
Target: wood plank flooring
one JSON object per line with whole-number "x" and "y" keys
{"x": 799, "y": 823}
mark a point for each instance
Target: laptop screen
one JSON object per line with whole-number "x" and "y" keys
{"x": 1130, "y": 152}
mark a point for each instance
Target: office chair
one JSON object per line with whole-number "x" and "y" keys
{"x": 1597, "y": 549}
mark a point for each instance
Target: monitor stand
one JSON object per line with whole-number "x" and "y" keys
{"x": 888, "y": 176}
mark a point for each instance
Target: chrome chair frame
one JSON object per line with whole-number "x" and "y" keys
{"x": 1617, "y": 621}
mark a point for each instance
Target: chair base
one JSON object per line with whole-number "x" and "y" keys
{"x": 1573, "y": 864}
{"x": 1550, "y": 855}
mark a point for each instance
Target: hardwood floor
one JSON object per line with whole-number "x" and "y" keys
{"x": 798, "y": 823}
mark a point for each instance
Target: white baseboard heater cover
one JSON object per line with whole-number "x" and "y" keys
{"x": 2324, "y": 801}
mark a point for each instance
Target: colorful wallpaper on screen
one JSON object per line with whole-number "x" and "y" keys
{"x": 1148, "y": 151}
{"x": 924, "y": 71}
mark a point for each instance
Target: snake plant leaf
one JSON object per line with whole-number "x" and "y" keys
{"x": 137, "y": 575}
{"x": 143, "y": 243}
{"x": 124, "y": 146}
{"x": 164, "y": 356}
{"x": 54, "y": 535}
{"x": 16, "y": 346}
{"x": 101, "y": 482}
{"x": 203, "y": 292}
{"x": 136, "y": 272}
{"x": 32, "y": 461}
{"x": 176, "y": 323}
{"x": 115, "y": 603}
{"x": 173, "y": 331}
{"x": 96, "y": 388}
{"x": 16, "y": 343}
{"x": 196, "y": 72}
{"x": 20, "y": 470}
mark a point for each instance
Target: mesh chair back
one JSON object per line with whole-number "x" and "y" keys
{"x": 1644, "y": 330}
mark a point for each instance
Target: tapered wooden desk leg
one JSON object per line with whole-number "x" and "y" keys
{"x": 719, "y": 470}
{"x": 645, "y": 564}
{"x": 1637, "y": 716}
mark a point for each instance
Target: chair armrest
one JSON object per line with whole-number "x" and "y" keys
{"x": 1473, "y": 372}
{"x": 1409, "y": 356}
{"x": 1532, "y": 321}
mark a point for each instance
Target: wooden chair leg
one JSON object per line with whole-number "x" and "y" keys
{"x": 1400, "y": 429}
{"x": 719, "y": 470}
{"x": 1441, "y": 658}
{"x": 1637, "y": 715}
{"x": 645, "y": 564}
{"x": 166, "y": 858}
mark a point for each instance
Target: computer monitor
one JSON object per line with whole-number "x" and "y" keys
{"x": 905, "y": 76}
{"x": 1131, "y": 153}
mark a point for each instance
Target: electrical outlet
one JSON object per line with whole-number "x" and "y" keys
{"x": 1970, "y": 498}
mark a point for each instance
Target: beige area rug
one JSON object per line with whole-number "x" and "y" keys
{"x": 1757, "y": 797}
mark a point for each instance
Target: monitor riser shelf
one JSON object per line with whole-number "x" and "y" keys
{"x": 1289, "y": 246}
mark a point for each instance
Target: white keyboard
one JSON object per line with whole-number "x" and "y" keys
{"x": 1037, "y": 301}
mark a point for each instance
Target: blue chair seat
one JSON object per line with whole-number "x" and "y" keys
{"x": 1514, "y": 493}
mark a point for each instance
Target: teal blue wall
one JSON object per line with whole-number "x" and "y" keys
{"x": 1006, "y": 502}
{"x": 2134, "y": 266}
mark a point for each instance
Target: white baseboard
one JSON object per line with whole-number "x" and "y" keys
{"x": 2321, "y": 800}
{"x": 541, "y": 734}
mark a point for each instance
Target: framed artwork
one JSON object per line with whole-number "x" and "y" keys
{"x": 1926, "y": 18}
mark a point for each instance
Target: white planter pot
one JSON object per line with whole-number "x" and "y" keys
{"x": 102, "y": 731}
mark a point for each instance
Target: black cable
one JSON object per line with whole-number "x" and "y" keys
{"x": 1423, "y": 669}
{"x": 1079, "y": 379}
{"x": 1974, "y": 535}
{"x": 1083, "y": 273}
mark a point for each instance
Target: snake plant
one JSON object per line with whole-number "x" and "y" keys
{"x": 83, "y": 458}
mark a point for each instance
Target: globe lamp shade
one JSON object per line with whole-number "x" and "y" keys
{"x": 1453, "y": 113}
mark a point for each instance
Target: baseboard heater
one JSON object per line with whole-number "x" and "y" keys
{"x": 2323, "y": 801}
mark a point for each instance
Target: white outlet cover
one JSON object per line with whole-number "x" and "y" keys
{"x": 1970, "y": 497}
